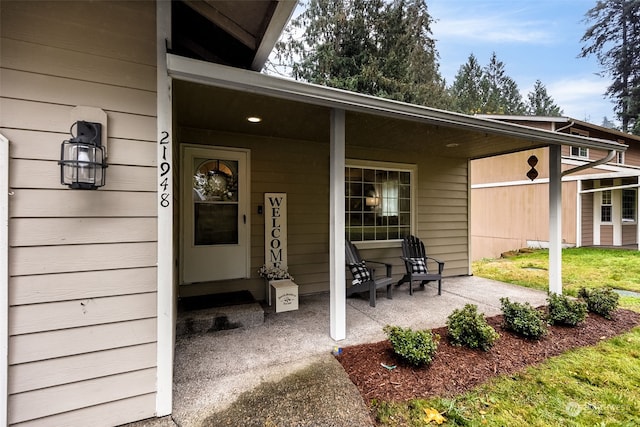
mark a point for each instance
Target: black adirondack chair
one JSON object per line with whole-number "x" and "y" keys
{"x": 418, "y": 265}
{"x": 364, "y": 279}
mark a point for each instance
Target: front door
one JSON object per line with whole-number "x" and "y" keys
{"x": 215, "y": 191}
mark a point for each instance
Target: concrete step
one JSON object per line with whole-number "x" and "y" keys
{"x": 219, "y": 318}
{"x": 218, "y": 312}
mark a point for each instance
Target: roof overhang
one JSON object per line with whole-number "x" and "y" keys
{"x": 249, "y": 82}
{"x": 237, "y": 33}
{"x": 559, "y": 120}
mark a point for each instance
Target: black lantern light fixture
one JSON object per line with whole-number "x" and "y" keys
{"x": 83, "y": 157}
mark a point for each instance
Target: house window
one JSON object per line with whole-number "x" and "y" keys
{"x": 378, "y": 201}
{"x": 629, "y": 205}
{"x": 620, "y": 157}
{"x": 605, "y": 206}
{"x": 580, "y": 152}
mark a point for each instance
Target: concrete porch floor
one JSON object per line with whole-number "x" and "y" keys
{"x": 213, "y": 369}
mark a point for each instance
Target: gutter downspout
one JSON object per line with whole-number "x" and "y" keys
{"x": 608, "y": 158}
{"x": 565, "y": 127}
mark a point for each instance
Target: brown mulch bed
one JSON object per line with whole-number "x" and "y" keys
{"x": 455, "y": 370}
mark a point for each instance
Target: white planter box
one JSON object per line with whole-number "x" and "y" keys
{"x": 285, "y": 293}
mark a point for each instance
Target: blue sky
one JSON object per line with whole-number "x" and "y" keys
{"x": 535, "y": 40}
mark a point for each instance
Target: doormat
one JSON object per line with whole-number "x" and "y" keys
{"x": 226, "y": 299}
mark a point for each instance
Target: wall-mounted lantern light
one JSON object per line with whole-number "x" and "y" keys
{"x": 83, "y": 157}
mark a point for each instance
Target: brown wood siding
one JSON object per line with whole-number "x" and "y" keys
{"x": 629, "y": 234}
{"x": 82, "y": 275}
{"x": 632, "y": 155}
{"x": 606, "y": 234}
{"x": 301, "y": 169}
{"x": 587, "y": 219}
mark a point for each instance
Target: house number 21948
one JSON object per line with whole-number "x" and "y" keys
{"x": 165, "y": 168}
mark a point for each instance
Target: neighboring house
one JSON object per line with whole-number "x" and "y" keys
{"x": 91, "y": 278}
{"x": 599, "y": 204}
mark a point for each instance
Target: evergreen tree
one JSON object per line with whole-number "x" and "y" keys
{"x": 614, "y": 37}
{"x": 485, "y": 90}
{"x": 500, "y": 92}
{"x": 540, "y": 103}
{"x": 466, "y": 91}
{"x": 375, "y": 47}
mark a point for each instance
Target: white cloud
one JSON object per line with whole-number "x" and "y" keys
{"x": 582, "y": 97}
{"x": 495, "y": 29}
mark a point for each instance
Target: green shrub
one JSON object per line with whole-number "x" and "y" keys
{"x": 469, "y": 328}
{"x": 602, "y": 301}
{"x": 416, "y": 347}
{"x": 566, "y": 311}
{"x": 523, "y": 319}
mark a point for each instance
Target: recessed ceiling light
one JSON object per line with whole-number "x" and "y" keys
{"x": 452, "y": 145}
{"x": 254, "y": 119}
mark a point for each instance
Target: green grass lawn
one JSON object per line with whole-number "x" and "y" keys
{"x": 591, "y": 268}
{"x": 591, "y": 386}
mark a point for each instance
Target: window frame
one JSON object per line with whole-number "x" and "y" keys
{"x": 579, "y": 155}
{"x": 412, "y": 169}
{"x": 633, "y": 206}
{"x": 579, "y": 132}
{"x": 608, "y": 205}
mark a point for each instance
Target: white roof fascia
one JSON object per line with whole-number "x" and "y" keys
{"x": 554, "y": 119}
{"x": 211, "y": 74}
{"x": 284, "y": 10}
{"x": 557, "y": 119}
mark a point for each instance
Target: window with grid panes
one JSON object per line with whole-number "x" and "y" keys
{"x": 377, "y": 203}
{"x": 605, "y": 206}
{"x": 629, "y": 205}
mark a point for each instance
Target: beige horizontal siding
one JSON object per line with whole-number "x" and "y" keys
{"x": 46, "y": 174}
{"x": 46, "y": 146}
{"x": 64, "y": 370}
{"x": 25, "y": 319}
{"x": 68, "y": 203}
{"x": 65, "y": 91}
{"x": 27, "y": 56}
{"x": 68, "y": 397}
{"x": 104, "y": 415}
{"x": 119, "y": 30}
{"x": 19, "y": 114}
{"x": 73, "y": 231}
{"x": 49, "y": 345}
{"x": 80, "y": 285}
{"x": 65, "y": 259}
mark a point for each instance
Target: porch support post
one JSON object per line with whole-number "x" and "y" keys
{"x": 337, "y": 293}
{"x": 555, "y": 219}
{"x": 166, "y": 300}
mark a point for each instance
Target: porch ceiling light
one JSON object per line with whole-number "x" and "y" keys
{"x": 83, "y": 158}
{"x": 254, "y": 119}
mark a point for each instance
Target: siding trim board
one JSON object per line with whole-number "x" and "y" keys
{"x": 4, "y": 274}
